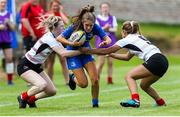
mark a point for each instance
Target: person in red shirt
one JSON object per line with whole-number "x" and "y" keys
{"x": 56, "y": 8}
{"x": 31, "y": 12}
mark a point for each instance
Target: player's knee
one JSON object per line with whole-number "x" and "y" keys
{"x": 95, "y": 82}
{"x": 127, "y": 77}
{"x": 52, "y": 92}
{"x": 83, "y": 85}
{"x": 8, "y": 60}
{"x": 143, "y": 87}
{"x": 42, "y": 86}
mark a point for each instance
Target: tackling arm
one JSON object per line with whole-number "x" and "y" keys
{"x": 125, "y": 57}
{"x": 100, "y": 51}
{"x": 106, "y": 41}
{"x": 65, "y": 53}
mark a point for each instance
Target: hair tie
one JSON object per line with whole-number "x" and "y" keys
{"x": 131, "y": 23}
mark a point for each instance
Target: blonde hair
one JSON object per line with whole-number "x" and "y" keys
{"x": 50, "y": 22}
{"x": 131, "y": 27}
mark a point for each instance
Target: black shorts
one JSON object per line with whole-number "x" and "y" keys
{"x": 28, "y": 43}
{"x": 5, "y": 45}
{"x": 157, "y": 64}
{"x": 25, "y": 65}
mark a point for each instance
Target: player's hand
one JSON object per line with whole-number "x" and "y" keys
{"x": 106, "y": 27}
{"x": 2, "y": 27}
{"x": 107, "y": 55}
{"x": 103, "y": 44}
{"x": 33, "y": 36}
{"x": 7, "y": 21}
{"x": 84, "y": 50}
{"x": 75, "y": 43}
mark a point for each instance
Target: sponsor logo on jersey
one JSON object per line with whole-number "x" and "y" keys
{"x": 73, "y": 64}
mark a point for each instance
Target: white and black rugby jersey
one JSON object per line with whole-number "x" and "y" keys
{"x": 138, "y": 45}
{"x": 42, "y": 49}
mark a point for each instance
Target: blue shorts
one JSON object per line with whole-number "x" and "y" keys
{"x": 79, "y": 61}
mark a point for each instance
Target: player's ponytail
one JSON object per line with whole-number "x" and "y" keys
{"x": 131, "y": 27}
{"x": 49, "y": 22}
{"x": 86, "y": 13}
{"x": 91, "y": 9}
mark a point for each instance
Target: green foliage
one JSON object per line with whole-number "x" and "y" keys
{"x": 169, "y": 31}
{"x": 78, "y": 102}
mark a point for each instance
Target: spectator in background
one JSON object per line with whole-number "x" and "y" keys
{"x": 56, "y": 9}
{"x": 6, "y": 26}
{"x": 109, "y": 24}
{"x": 31, "y": 12}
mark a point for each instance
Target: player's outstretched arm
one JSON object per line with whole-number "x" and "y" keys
{"x": 106, "y": 41}
{"x": 125, "y": 57}
{"x": 66, "y": 53}
{"x": 100, "y": 51}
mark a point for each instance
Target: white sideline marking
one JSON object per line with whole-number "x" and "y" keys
{"x": 62, "y": 96}
{"x": 10, "y": 104}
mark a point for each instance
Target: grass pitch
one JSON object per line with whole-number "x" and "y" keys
{"x": 78, "y": 102}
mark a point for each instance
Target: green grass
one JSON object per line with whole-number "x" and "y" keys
{"x": 78, "y": 102}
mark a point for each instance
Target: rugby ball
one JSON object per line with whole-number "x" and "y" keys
{"x": 78, "y": 36}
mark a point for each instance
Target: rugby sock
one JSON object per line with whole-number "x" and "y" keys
{"x": 32, "y": 99}
{"x": 95, "y": 101}
{"x": 9, "y": 78}
{"x": 109, "y": 80}
{"x": 24, "y": 96}
{"x": 135, "y": 96}
{"x": 10, "y": 71}
{"x": 160, "y": 102}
